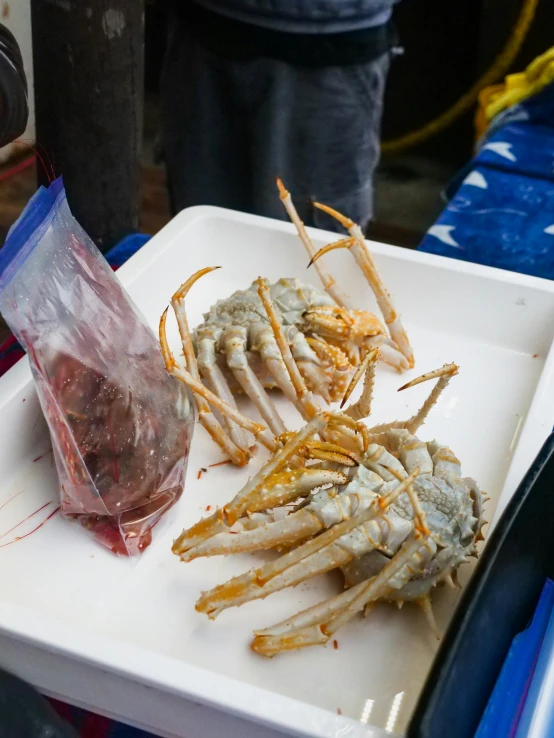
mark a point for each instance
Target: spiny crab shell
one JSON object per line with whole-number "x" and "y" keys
{"x": 453, "y": 507}
{"x": 450, "y": 505}
{"x": 298, "y": 305}
{"x": 291, "y": 298}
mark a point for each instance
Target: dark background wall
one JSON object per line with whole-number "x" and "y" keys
{"x": 448, "y": 45}
{"x": 441, "y": 41}
{"x": 154, "y": 42}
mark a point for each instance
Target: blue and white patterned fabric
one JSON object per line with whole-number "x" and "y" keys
{"x": 499, "y": 219}
{"x": 522, "y": 148}
{"x": 501, "y": 211}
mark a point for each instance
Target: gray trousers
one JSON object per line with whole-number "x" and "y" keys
{"x": 231, "y": 127}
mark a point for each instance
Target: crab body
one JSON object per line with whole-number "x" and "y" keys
{"x": 326, "y": 341}
{"x": 452, "y": 506}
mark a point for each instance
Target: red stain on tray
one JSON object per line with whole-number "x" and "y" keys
{"x": 11, "y": 498}
{"x": 46, "y": 453}
{"x": 26, "y": 535}
{"x": 220, "y": 463}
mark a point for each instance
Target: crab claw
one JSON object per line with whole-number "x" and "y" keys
{"x": 345, "y": 325}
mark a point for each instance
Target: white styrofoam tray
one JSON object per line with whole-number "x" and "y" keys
{"x": 126, "y": 641}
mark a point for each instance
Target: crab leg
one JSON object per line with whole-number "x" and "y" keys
{"x": 352, "y": 351}
{"x": 318, "y": 624}
{"x": 234, "y": 345}
{"x": 362, "y": 408}
{"x": 336, "y": 325}
{"x": 327, "y": 280}
{"x": 349, "y": 430}
{"x": 238, "y": 436}
{"x": 316, "y": 556}
{"x": 363, "y": 256}
{"x": 263, "y": 339}
{"x": 214, "y": 378}
{"x": 337, "y": 359}
{"x": 342, "y": 328}
{"x": 383, "y": 463}
{"x": 333, "y": 452}
{"x": 337, "y": 452}
{"x": 349, "y": 440}
{"x": 389, "y": 352}
{"x": 228, "y": 515}
{"x": 281, "y": 533}
{"x": 444, "y": 375}
{"x": 308, "y": 363}
{"x": 239, "y": 504}
{"x": 332, "y": 318}
{"x": 376, "y": 508}
{"x": 302, "y": 525}
{"x": 315, "y": 378}
{"x": 410, "y": 451}
{"x": 259, "y": 431}
{"x": 305, "y": 397}
{"x": 281, "y": 489}
{"x": 445, "y": 463}
{"x": 285, "y": 487}
{"x": 205, "y": 415}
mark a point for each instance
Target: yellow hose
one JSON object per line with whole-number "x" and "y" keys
{"x": 498, "y": 69}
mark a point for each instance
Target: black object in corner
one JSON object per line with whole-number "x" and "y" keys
{"x": 497, "y": 604}
{"x": 24, "y": 713}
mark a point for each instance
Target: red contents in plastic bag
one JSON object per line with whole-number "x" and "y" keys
{"x": 108, "y": 438}
{"x": 116, "y": 451}
{"x": 120, "y": 425}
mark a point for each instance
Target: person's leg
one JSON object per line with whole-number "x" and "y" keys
{"x": 203, "y": 129}
{"x": 319, "y": 130}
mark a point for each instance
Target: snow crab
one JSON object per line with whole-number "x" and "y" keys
{"x": 390, "y": 510}
{"x": 235, "y": 350}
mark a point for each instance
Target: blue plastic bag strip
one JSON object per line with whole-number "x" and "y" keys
{"x": 537, "y": 717}
{"x": 28, "y": 228}
{"x": 506, "y": 704}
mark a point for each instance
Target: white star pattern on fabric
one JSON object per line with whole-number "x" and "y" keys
{"x": 549, "y": 230}
{"x": 442, "y": 232}
{"x": 476, "y": 179}
{"x": 502, "y": 148}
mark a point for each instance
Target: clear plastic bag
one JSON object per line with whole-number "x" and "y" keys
{"x": 120, "y": 425}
